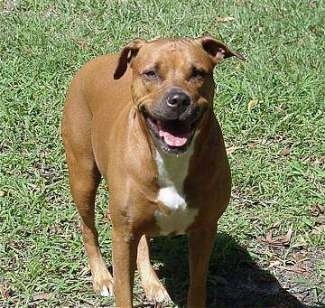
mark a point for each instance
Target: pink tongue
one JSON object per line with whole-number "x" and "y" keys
{"x": 171, "y": 140}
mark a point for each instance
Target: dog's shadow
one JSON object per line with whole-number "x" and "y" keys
{"x": 234, "y": 281}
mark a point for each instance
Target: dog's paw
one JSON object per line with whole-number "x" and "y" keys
{"x": 103, "y": 285}
{"x": 156, "y": 292}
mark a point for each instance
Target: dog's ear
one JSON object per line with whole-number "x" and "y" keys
{"x": 217, "y": 50}
{"x": 126, "y": 55}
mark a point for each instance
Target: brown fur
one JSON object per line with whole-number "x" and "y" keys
{"x": 105, "y": 135}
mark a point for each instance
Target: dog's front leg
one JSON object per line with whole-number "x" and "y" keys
{"x": 124, "y": 261}
{"x": 200, "y": 248}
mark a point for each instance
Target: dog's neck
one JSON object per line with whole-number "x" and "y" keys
{"x": 173, "y": 168}
{"x": 172, "y": 171}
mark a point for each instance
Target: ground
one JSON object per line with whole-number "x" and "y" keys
{"x": 270, "y": 247}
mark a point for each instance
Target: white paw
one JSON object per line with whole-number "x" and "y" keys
{"x": 157, "y": 293}
{"x": 105, "y": 292}
{"x": 104, "y": 286}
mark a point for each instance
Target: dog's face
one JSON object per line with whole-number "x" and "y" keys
{"x": 173, "y": 85}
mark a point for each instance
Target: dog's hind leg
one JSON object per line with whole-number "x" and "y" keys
{"x": 84, "y": 180}
{"x": 153, "y": 288}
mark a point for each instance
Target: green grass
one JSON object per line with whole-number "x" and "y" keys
{"x": 271, "y": 109}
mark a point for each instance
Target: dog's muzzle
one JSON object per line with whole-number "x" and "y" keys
{"x": 173, "y": 121}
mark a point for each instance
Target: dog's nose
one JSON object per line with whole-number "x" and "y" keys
{"x": 178, "y": 99}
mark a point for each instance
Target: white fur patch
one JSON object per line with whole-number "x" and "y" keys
{"x": 172, "y": 170}
{"x": 105, "y": 292}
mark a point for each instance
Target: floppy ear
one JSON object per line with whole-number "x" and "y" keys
{"x": 126, "y": 55}
{"x": 217, "y": 50}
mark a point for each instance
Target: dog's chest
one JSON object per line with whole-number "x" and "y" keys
{"x": 172, "y": 171}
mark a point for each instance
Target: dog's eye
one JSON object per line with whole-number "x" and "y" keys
{"x": 198, "y": 73}
{"x": 150, "y": 74}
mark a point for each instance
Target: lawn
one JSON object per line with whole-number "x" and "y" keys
{"x": 270, "y": 251}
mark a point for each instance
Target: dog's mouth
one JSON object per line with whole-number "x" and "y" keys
{"x": 173, "y": 136}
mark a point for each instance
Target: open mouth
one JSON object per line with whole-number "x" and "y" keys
{"x": 173, "y": 136}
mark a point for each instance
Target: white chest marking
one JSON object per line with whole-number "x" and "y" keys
{"x": 172, "y": 170}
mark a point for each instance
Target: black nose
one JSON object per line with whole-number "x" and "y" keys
{"x": 178, "y": 99}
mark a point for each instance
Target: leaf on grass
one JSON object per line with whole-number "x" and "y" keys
{"x": 4, "y": 291}
{"x": 320, "y": 220}
{"x": 256, "y": 142}
{"x": 300, "y": 256}
{"x": 9, "y": 6}
{"x": 312, "y": 4}
{"x": 285, "y": 151}
{"x": 300, "y": 242}
{"x": 297, "y": 263}
{"x": 81, "y": 43}
{"x": 41, "y": 296}
{"x": 316, "y": 210}
{"x": 276, "y": 263}
{"x": 225, "y": 19}
{"x": 252, "y": 103}
{"x": 299, "y": 268}
{"x": 282, "y": 240}
{"x": 318, "y": 230}
{"x": 231, "y": 149}
{"x": 276, "y": 224}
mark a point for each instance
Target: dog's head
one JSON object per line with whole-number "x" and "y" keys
{"x": 173, "y": 85}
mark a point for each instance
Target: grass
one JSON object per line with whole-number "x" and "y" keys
{"x": 272, "y": 113}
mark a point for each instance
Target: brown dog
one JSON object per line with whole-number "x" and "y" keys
{"x": 151, "y": 133}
